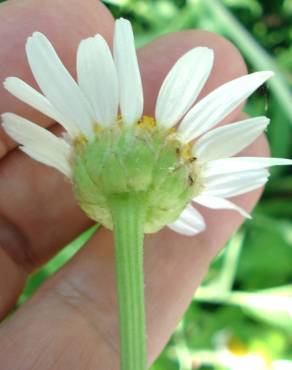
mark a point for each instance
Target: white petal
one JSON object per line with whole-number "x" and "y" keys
{"x": 231, "y": 185}
{"x": 130, "y": 84}
{"x": 32, "y": 97}
{"x": 218, "y": 104}
{"x": 228, "y": 140}
{"x": 182, "y": 85}
{"x": 97, "y": 77}
{"x": 239, "y": 164}
{"x": 190, "y": 222}
{"x": 57, "y": 84}
{"x": 38, "y": 142}
{"x": 219, "y": 203}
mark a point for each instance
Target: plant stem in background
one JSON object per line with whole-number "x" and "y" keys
{"x": 253, "y": 52}
{"x": 128, "y": 219}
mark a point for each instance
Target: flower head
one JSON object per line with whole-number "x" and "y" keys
{"x": 172, "y": 159}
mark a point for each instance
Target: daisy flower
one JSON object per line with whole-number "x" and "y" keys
{"x": 176, "y": 158}
{"x": 134, "y": 173}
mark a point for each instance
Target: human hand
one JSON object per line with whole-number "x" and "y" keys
{"x": 71, "y": 323}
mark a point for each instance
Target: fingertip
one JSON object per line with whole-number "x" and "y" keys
{"x": 63, "y": 23}
{"x": 157, "y": 58}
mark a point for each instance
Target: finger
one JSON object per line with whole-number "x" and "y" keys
{"x": 159, "y": 56}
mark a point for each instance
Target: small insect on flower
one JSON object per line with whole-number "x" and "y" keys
{"x": 172, "y": 160}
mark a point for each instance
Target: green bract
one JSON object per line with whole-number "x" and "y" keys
{"x": 121, "y": 160}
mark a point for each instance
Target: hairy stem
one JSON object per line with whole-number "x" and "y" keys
{"x": 128, "y": 219}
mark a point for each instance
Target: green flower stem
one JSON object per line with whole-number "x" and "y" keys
{"x": 128, "y": 219}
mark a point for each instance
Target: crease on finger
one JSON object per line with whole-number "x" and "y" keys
{"x": 4, "y": 146}
{"x": 15, "y": 244}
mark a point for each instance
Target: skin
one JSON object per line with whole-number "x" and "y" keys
{"x": 71, "y": 322}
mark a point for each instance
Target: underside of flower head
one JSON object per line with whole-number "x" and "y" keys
{"x": 142, "y": 159}
{"x": 172, "y": 159}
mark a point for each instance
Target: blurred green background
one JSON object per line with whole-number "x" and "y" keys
{"x": 241, "y": 317}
